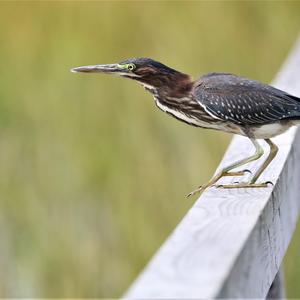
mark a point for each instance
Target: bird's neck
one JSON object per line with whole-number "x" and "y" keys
{"x": 178, "y": 85}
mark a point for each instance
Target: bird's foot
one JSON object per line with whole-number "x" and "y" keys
{"x": 212, "y": 182}
{"x": 242, "y": 185}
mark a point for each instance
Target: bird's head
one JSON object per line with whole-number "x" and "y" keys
{"x": 151, "y": 74}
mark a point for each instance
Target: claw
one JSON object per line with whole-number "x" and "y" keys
{"x": 247, "y": 171}
{"x": 269, "y": 182}
{"x": 219, "y": 186}
{"x": 190, "y": 194}
{"x": 199, "y": 190}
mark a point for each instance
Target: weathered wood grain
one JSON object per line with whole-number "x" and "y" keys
{"x": 232, "y": 242}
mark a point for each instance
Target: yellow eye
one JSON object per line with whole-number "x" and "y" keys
{"x": 131, "y": 67}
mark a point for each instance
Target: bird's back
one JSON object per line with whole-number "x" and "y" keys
{"x": 244, "y": 101}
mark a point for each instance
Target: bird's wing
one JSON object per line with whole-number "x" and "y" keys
{"x": 244, "y": 101}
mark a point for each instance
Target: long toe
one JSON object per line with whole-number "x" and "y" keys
{"x": 235, "y": 173}
{"x": 243, "y": 185}
{"x": 199, "y": 190}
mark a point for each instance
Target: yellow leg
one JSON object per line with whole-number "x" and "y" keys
{"x": 271, "y": 156}
{"x": 226, "y": 171}
{"x": 252, "y": 183}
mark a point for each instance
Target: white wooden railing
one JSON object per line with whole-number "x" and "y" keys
{"x": 231, "y": 243}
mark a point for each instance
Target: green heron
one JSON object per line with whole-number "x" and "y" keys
{"x": 220, "y": 101}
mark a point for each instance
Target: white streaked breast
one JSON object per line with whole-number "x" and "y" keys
{"x": 186, "y": 118}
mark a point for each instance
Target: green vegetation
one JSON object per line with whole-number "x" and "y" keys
{"x": 92, "y": 175}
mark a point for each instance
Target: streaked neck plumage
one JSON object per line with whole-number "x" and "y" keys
{"x": 178, "y": 85}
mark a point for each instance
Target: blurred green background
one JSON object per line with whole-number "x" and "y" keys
{"x": 92, "y": 175}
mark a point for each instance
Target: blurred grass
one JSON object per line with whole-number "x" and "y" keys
{"x": 92, "y": 176}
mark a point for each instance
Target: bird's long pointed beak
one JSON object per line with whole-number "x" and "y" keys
{"x": 109, "y": 68}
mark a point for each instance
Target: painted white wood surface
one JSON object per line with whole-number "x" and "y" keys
{"x": 231, "y": 243}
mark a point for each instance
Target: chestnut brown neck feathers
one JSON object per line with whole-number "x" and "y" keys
{"x": 168, "y": 82}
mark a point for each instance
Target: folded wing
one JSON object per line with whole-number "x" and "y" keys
{"x": 244, "y": 101}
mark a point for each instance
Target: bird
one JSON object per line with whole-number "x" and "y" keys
{"x": 218, "y": 101}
